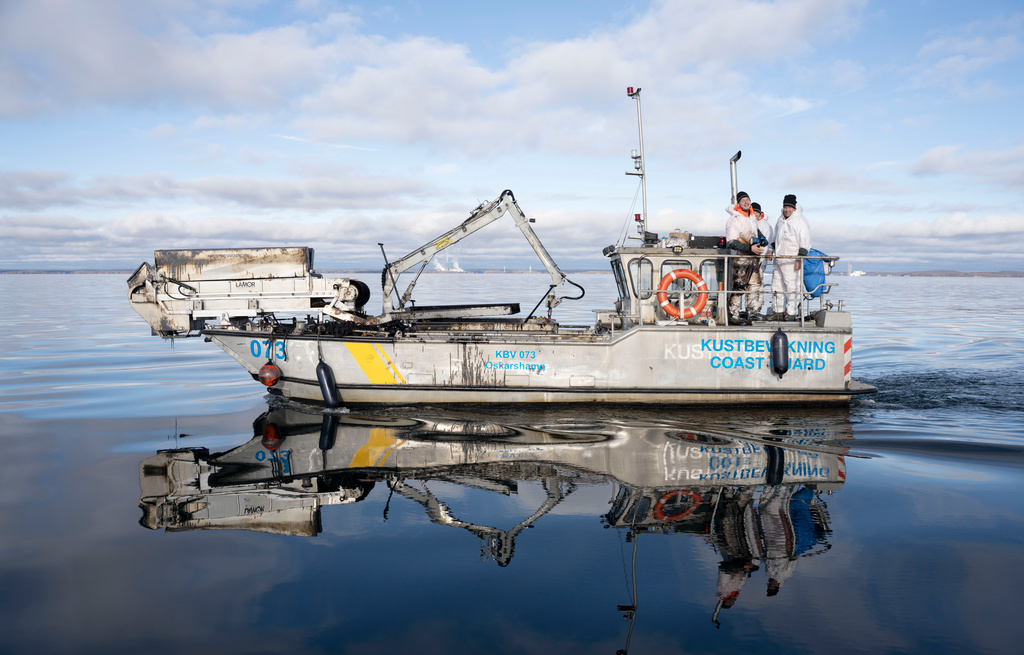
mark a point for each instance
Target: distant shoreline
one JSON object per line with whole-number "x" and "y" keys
{"x": 361, "y": 271}
{"x": 941, "y": 274}
{"x": 1000, "y": 274}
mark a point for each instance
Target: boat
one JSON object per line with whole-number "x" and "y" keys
{"x": 667, "y": 339}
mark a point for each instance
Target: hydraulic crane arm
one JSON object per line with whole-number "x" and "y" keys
{"x": 482, "y": 216}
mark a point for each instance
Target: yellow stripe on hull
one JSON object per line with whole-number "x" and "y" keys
{"x": 374, "y": 363}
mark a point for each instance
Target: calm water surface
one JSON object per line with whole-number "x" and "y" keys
{"x": 152, "y": 498}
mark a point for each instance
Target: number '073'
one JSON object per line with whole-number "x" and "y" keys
{"x": 268, "y": 348}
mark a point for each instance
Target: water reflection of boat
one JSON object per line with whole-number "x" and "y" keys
{"x": 754, "y": 493}
{"x": 667, "y": 477}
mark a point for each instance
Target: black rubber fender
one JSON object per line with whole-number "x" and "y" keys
{"x": 780, "y": 353}
{"x": 325, "y": 376}
{"x": 328, "y": 432}
{"x": 776, "y": 468}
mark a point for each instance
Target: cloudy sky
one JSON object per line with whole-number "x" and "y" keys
{"x": 131, "y": 126}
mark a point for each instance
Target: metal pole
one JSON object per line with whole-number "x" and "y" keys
{"x": 639, "y": 160}
{"x": 394, "y": 282}
{"x": 732, "y": 173}
{"x": 643, "y": 168}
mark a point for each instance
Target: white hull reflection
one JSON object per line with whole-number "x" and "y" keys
{"x": 666, "y": 477}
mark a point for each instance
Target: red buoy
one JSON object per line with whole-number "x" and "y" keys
{"x": 269, "y": 374}
{"x": 271, "y": 437}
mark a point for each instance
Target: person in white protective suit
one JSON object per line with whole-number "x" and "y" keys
{"x": 792, "y": 238}
{"x": 764, "y": 226}
{"x": 778, "y": 535}
{"x": 739, "y": 542}
{"x": 741, "y": 239}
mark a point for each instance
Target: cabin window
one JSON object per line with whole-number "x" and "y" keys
{"x": 638, "y": 511}
{"x": 620, "y": 279}
{"x": 710, "y": 271}
{"x": 681, "y": 284}
{"x": 641, "y": 273}
{"x": 670, "y": 265}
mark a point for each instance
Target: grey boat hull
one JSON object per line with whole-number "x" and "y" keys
{"x": 668, "y": 364}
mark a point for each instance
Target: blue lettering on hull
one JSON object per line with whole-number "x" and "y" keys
{"x": 753, "y": 354}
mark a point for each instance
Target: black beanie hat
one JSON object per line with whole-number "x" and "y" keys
{"x": 741, "y": 195}
{"x": 756, "y": 206}
{"x": 789, "y": 201}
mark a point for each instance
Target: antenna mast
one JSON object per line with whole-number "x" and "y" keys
{"x": 638, "y": 165}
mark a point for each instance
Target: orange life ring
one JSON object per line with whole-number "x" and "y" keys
{"x": 672, "y": 310}
{"x": 659, "y": 507}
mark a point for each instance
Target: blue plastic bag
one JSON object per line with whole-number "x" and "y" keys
{"x": 806, "y": 532}
{"x": 814, "y": 272}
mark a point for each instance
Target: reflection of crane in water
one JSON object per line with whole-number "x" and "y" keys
{"x": 629, "y": 611}
{"x": 498, "y": 544}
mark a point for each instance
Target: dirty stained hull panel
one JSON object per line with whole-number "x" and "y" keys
{"x": 670, "y": 365}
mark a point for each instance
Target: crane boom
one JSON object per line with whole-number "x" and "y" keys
{"x": 482, "y": 216}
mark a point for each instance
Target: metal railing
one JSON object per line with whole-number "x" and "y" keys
{"x": 719, "y": 298}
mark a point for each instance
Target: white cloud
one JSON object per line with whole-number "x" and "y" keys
{"x": 557, "y": 96}
{"x": 1000, "y": 168}
{"x": 37, "y": 190}
{"x": 574, "y": 239}
{"x": 955, "y": 61}
{"x": 55, "y": 54}
{"x": 1003, "y": 46}
{"x": 952, "y": 241}
{"x": 324, "y": 193}
{"x": 31, "y": 190}
{"x": 421, "y": 104}
{"x": 937, "y": 161}
{"x": 299, "y": 139}
{"x": 831, "y": 178}
{"x": 34, "y": 229}
{"x": 342, "y": 85}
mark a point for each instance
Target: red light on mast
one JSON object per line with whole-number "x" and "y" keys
{"x": 629, "y": 90}
{"x": 636, "y": 217}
